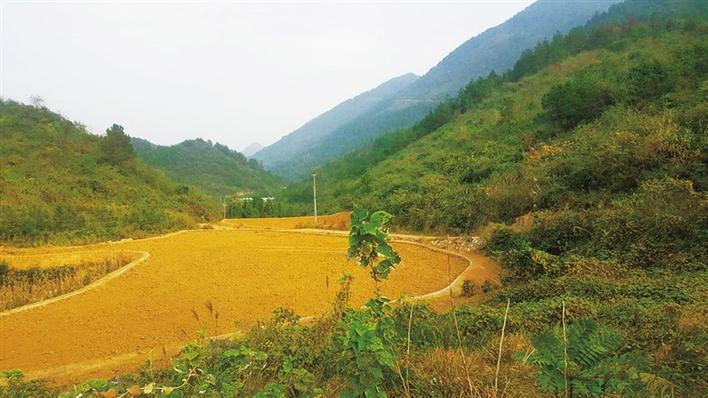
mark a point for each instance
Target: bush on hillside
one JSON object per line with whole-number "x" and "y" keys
{"x": 581, "y": 99}
{"x": 648, "y": 81}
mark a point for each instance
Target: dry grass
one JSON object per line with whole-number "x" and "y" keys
{"x": 440, "y": 372}
{"x": 20, "y": 286}
{"x": 338, "y": 221}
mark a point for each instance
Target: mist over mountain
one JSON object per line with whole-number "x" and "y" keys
{"x": 496, "y": 49}
{"x": 279, "y": 156}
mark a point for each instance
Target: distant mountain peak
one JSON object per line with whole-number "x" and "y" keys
{"x": 314, "y": 131}
{"x": 251, "y": 149}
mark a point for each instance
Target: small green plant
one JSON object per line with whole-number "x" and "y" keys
{"x": 467, "y": 288}
{"x": 292, "y": 381}
{"x": 368, "y": 240}
{"x": 367, "y": 342}
{"x": 488, "y": 286}
{"x": 14, "y": 385}
{"x": 369, "y": 336}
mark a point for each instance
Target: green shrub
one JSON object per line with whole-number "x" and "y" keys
{"x": 659, "y": 226}
{"x": 686, "y": 364}
{"x": 477, "y": 324}
{"x": 429, "y": 329}
{"x": 581, "y": 99}
{"x": 503, "y": 239}
{"x": 560, "y": 231}
{"x": 535, "y": 316}
{"x": 695, "y": 118}
{"x": 488, "y": 286}
{"x": 652, "y": 322}
{"x": 467, "y": 288}
{"x": 17, "y": 387}
{"x": 648, "y": 81}
{"x": 291, "y": 381}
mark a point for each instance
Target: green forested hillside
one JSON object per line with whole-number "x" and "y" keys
{"x": 60, "y": 183}
{"x": 214, "y": 168}
{"x": 536, "y": 144}
{"x": 450, "y": 162}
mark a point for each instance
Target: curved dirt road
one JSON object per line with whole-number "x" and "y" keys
{"x": 159, "y": 304}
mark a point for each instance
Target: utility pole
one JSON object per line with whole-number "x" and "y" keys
{"x": 314, "y": 194}
{"x": 223, "y": 204}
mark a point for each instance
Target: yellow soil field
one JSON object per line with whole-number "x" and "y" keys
{"x": 150, "y": 309}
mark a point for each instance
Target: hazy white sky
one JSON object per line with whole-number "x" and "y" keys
{"x": 231, "y": 72}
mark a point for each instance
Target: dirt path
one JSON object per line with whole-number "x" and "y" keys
{"x": 152, "y": 308}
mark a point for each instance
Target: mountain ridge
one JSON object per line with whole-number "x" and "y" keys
{"x": 302, "y": 138}
{"x": 250, "y": 149}
{"x": 213, "y": 167}
{"x": 538, "y": 22}
{"x": 82, "y": 187}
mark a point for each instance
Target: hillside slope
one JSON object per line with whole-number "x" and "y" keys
{"x": 496, "y": 49}
{"x": 350, "y": 178}
{"x": 586, "y": 173}
{"x": 300, "y": 142}
{"x": 214, "y": 168}
{"x": 60, "y": 183}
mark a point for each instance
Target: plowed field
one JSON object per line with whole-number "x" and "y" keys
{"x": 160, "y": 303}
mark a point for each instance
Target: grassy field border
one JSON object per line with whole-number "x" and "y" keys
{"x": 106, "y": 278}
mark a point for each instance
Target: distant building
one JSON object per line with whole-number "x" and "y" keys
{"x": 263, "y": 198}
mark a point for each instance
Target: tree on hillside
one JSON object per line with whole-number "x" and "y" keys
{"x": 581, "y": 99}
{"x": 37, "y": 101}
{"x": 648, "y": 81}
{"x": 116, "y": 147}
